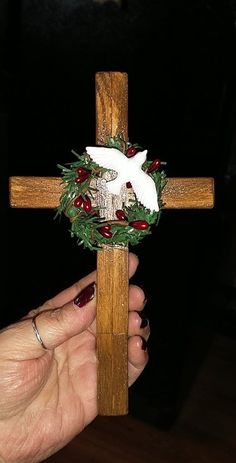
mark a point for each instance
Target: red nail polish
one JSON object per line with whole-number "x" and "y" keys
{"x": 144, "y": 344}
{"x": 144, "y": 323}
{"x": 86, "y": 295}
{"x": 143, "y": 319}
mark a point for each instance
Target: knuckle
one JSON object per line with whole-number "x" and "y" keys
{"x": 60, "y": 318}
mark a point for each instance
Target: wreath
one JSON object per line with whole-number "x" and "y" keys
{"x": 130, "y": 224}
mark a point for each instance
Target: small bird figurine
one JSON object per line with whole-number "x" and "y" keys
{"x": 128, "y": 170}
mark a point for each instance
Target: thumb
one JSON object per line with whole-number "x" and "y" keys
{"x": 48, "y": 329}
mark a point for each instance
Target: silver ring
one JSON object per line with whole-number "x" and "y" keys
{"x": 36, "y": 332}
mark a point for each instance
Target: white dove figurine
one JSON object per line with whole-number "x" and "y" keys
{"x": 128, "y": 170}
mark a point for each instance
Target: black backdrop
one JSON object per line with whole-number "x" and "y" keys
{"x": 180, "y": 58}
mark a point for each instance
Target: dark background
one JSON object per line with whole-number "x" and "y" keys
{"x": 180, "y": 58}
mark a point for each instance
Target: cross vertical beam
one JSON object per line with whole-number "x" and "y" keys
{"x": 112, "y": 264}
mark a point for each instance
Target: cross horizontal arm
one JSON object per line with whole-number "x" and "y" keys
{"x": 45, "y": 192}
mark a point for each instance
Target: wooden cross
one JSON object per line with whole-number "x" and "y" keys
{"x": 112, "y": 262}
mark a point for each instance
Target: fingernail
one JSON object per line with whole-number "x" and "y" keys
{"x": 144, "y": 344}
{"x": 144, "y": 320}
{"x": 86, "y": 295}
{"x": 144, "y": 323}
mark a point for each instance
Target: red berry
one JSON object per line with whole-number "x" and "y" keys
{"x": 81, "y": 171}
{"x": 106, "y": 227}
{"x": 78, "y": 201}
{"x": 107, "y": 234}
{"x": 131, "y": 151}
{"x": 105, "y": 231}
{"x": 82, "y": 178}
{"x": 87, "y": 206}
{"x": 128, "y": 185}
{"x": 120, "y": 214}
{"x": 154, "y": 165}
{"x": 139, "y": 224}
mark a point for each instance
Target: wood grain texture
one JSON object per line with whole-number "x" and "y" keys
{"x": 189, "y": 193}
{"x": 112, "y": 328}
{"x": 113, "y": 285}
{"x": 45, "y": 192}
{"x": 112, "y": 264}
{"x": 35, "y": 192}
{"x": 111, "y": 106}
{"x": 112, "y": 374}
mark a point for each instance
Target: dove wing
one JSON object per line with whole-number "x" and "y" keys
{"x": 145, "y": 190}
{"x": 110, "y": 158}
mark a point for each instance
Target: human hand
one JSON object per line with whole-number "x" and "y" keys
{"x": 48, "y": 396}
